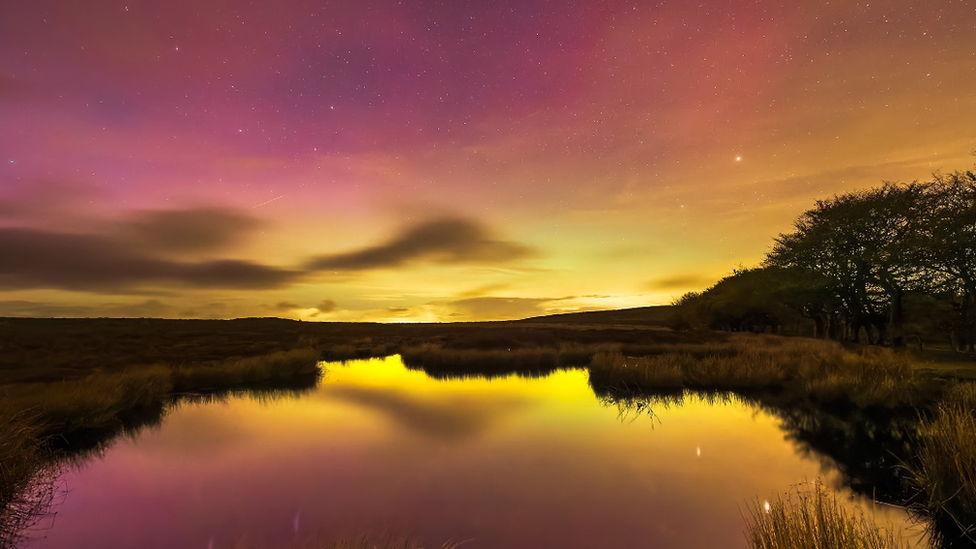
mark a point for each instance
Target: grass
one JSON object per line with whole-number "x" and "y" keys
{"x": 813, "y": 518}
{"x": 822, "y": 370}
{"x": 275, "y": 368}
{"x": 945, "y": 469}
{"x": 37, "y": 418}
{"x": 27, "y": 482}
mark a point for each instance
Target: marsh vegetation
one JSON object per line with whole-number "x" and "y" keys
{"x": 825, "y": 391}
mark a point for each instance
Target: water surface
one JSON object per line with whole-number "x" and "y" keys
{"x": 505, "y": 463}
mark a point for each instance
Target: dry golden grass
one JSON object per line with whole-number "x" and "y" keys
{"x": 269, "y": 369}
{"x": 823, "y": 370}
{"x": 946, "y": 466}
{"x": 94, "y": 401}
{"x": 811, "y": 517}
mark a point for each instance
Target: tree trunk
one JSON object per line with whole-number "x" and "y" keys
{"x": 897, "y": 322}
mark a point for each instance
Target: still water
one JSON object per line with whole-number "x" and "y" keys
{"x": 505, "y": 463}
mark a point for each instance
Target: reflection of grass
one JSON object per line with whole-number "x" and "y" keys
{"x": 813, "y": 518}
{"x": 946, "y": 464}
{"x": 439, "y": 361}
{"x": 34, "y": 417}
{"x": 366, "y": 542}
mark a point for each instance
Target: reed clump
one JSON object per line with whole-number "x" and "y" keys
{"x": 818, "y": 369}
{"x": 270, "y": 369}
{"x": 811, "y": 517}
{"x": 20, "y": 451}
{"x": 94, "y": 402}
{"x": 867, "y": 376}
{"x": 945, "y": 469}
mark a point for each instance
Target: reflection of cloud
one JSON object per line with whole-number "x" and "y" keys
{"x": 95, "y": 262}
{"x": 446, "y": 419}
{"x": 448, "y": 240}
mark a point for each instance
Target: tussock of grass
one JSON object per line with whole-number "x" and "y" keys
{"x": 819, "y": 369}
{"x": 813, "y": 518}
{"x": 946, "y": 466}
{"x": 868, "y": 376}
{"x": 26, "y": 482}
{"x": 20, "y": 451}
{"x": 270, "y": 369}
{"x": 96, "y": 401}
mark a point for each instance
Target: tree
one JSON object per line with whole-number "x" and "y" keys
{"x": 859, "y": 245}
{"x": 951, "y": 251}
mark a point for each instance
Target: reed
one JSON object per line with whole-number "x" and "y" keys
{"x": 270, "y": 369}
{"x": 945, "y": 469}
{"x": 811, "y": 517}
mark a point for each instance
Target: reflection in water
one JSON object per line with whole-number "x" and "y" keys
{"x": 504, "y": 462}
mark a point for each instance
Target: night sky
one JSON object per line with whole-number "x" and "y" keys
{"x": 457, "y": 160}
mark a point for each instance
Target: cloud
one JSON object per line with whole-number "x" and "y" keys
{"x": 447, "y": 240}
{"x": 680, "y": 282}
{"x": 192, "y": 230}
{"x": 499, "y": 308}
{"x": 147, "y": 309}
{"x": 287, "y": 306}
{"x": 95, "y": 262}
{"x": 327, "y": 306}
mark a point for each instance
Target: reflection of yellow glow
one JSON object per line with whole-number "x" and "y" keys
{"x": 766, "y": 506}
{"x": 390, "y": 373}
{"x": 698, "y": 451}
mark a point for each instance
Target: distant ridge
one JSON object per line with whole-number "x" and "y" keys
{"x": 639, "y": 316}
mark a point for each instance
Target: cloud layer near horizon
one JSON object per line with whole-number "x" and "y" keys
{"x": 145, "y": 253}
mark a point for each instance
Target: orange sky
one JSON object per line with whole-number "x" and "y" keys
{"x": 427, "y": 162}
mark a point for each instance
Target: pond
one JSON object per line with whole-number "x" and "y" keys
{"x": 502, "y": 463}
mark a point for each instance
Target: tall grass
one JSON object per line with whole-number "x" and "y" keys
{"x": 94, "y": 402}
{"x": 26, "y": 482}
{"x": 818, "y": 369}
{"x": 440, "y": 361}
{"x": 271, "y": 369}
{"x": 813, "y": 518}
{"x": 946, "y": 466}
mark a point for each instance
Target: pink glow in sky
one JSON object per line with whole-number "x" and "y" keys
{"x": 381, "y": 160}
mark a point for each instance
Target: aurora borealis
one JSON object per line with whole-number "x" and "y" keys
{"x": 383, "y": 160}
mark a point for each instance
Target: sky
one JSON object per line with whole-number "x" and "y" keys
{"x": 381, "y": 160}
